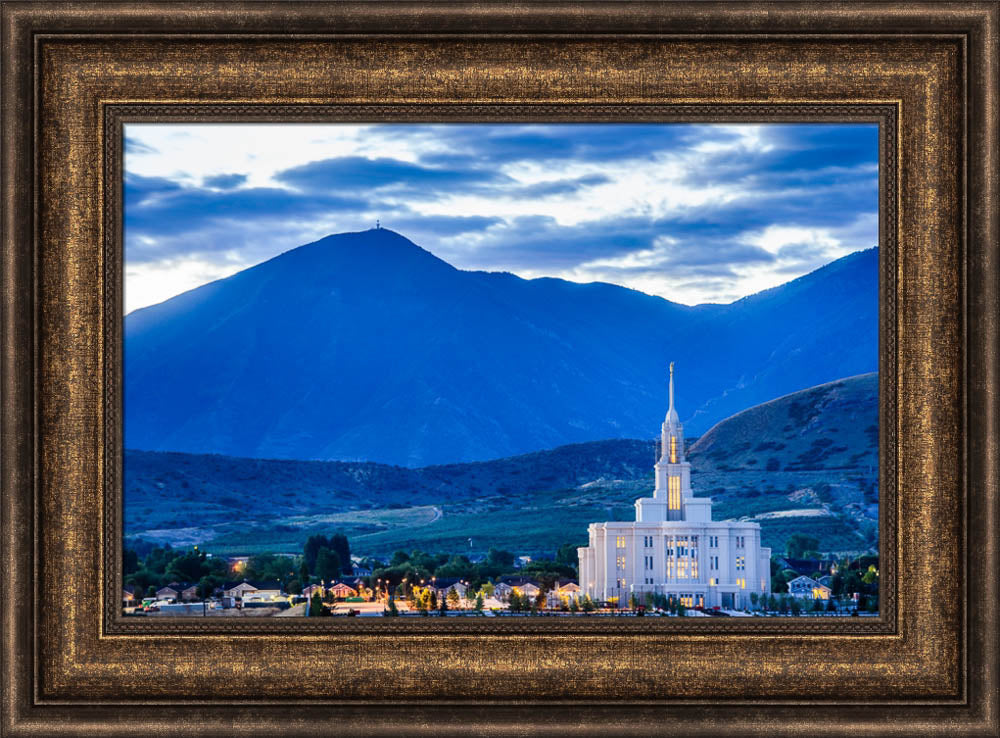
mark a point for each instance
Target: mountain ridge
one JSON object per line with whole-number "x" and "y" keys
{"x": 335, "y": 350}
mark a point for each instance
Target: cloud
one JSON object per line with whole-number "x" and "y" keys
{"x": 358, "y": 173}
{"x": 224, "y": 181}
{"x": 692, "y": 212}
{"x": 132, "y": 146}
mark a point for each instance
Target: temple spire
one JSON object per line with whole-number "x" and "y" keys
{"x": 671, "y": 407}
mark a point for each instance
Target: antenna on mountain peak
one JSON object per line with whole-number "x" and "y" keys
{"x": 378, "y": 224}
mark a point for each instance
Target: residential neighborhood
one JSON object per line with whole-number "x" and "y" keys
{"x": 500, "y": 584}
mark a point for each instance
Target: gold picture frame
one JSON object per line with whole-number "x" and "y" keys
{"x": 74, "y": 74}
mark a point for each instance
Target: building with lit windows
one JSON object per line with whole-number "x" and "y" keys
{"x": 674, "y": 547}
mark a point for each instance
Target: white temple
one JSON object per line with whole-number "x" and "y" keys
{"x": 674, "y": 547}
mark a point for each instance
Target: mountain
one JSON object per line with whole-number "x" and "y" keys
{"x": 364, "y": 346}
{"x": 832, "y": 426}
{"x": 804, "y": 463}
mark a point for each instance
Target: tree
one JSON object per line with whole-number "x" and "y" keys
{"x": 488, "y": 589}
{"x": 870, "y": 576}
{"x": 831, "y": 605}
{"x": 444, "y": 605}
{"x": 514, "y": 602}
{"x": 130, "y": 561}
{"x": 498, "y": 557}
{"x": 206, "y": 586}
{"x": 798, "y": 545}
{"x": 294, "y": 587}
{"x": 573, "y": 606}
{"x": 434, "y": 601}
{"x": 681, "y": 609}
{"x": 398, "y": 558}
{"x": 754, "y": 597}
{"x": 796, "y": 606}
{"x": 479, "y": 602}
{"x": 772, "y": 603}
{"x": 315, "y": 605}
{"x": 453, "y": 598}
{"x": 567, "y": 555}
{"x": 340, "y": 545}
{"x": 588, "y": 604}
{"x": 817, "y": 605}
{"x": 304, "y": 573}
{"x": 187, "y": 567}
{"x": 633, "y": 602}
{"x": 539, "y": 603}
{"x": 393, "y": 610}
{"x": 328, "y": 565}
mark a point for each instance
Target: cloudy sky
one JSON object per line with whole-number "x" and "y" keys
{"x": 693, "y": 213}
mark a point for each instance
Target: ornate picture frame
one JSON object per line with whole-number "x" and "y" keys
{"x": 75, "y": 74}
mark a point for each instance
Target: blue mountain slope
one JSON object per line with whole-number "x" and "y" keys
{"x": 365, "y": 346}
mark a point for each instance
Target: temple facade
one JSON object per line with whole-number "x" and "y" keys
{"x": 674, "y": 547}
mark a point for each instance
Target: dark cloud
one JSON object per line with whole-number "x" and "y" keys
{"x": 225, "y": 181}
{"x": 502, "y": 144}
{"x": 355, "y": 173}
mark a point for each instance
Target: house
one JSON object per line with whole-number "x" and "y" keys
{"x": 309, "y": 590}
{"x": 265, "y": 592}
{"x": 502, "y": 590}
{"x": 341, "y": 590}
{"x": 237, "y": 589}
{"x": 189, "y": 594}
{"x": 170, "y": 592}
{"x": 128, "y": 594}
{"x": 808, "y": 588}
{"x": 807, "y": 567}
{"x": 522, "y": 585}
{"x": 562, "y": 593}
{"x": 442, "y": 585}
{"x": 253, "y": 591}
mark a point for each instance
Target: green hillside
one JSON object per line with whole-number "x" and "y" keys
{"x": 804, "y": 463}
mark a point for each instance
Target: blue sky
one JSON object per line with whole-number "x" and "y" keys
{"x": 693, "y": 213}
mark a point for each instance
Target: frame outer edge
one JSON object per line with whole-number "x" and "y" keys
{"x": 983, "y": 311}
{"x": 17, "y": 386}
{"x": 16, "y": 383}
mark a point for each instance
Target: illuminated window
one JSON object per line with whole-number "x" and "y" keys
{"x": 763, "y": 585}
{"x": 741, "y": 563}
{"x": 713, "y": 582}
{"x": 621, "y": 541}
{"x": 674, "y": 492}
{"x": 687, "y": 600}
{"x": 742, "y": 583}
{"x": 673, "y": 449}
{"x": 621, "y": 562}
{"x": 694, "y": 568}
